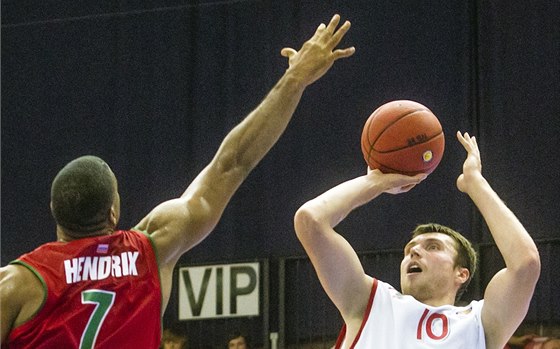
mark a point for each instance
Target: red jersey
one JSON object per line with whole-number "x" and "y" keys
{"x": 102, "y": 292}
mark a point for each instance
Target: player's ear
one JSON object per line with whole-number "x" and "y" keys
{"x": 113, "y": 216}
{"x": 115, "y": 210}
{"x": 462, "y": 274}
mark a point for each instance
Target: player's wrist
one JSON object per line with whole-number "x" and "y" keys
{"x": 476, "y": 181}
{"x": 478, "y": 185}
{"x": 297, "y": 77}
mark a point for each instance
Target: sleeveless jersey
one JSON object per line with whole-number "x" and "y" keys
{"x": 102, "y": 292}
{"x": 393, "y": 320}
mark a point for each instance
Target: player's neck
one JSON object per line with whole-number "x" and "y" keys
{"x": 66, "y": 235}
{"x": 448, "y": 299}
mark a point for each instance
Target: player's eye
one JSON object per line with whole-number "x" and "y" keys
{"x": 406, "y": 250}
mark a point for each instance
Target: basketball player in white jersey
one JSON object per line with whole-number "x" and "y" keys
{"x": 437, "y": 264}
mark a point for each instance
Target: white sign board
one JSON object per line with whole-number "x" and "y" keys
{"x": 217, "y": 291}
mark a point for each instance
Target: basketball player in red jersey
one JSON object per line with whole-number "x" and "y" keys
{"x": 97, "y": 287}
{"x": 438, "y": 262}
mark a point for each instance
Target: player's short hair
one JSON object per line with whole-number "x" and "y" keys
{"x": 82, "y": 194}
{"x": 466, "y": 254}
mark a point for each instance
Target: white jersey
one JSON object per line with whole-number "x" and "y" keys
{"x": 396, "y": 321}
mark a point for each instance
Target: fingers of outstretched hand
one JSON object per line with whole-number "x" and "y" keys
{"x": 320, "y": 29}
{"x": 347, "y": 52}
{"x": 401, "y": 183}
{"x": 463, "y": 138}
{"x": 288, "y": 52}
{"x": 317, "y": 54}
{"x": 401, "y": 189}
{"x": 407, "y": 188}
{"x": 466, "y": 137}
{"x": 339, "y": 34}
{"x": 468, "y": 142}
{"x": 333, "y": 23}
{"x": 414, "y": 180}
{"x": 330, "y": 33}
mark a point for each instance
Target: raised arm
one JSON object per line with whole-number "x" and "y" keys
{"x": 179, "y": 224}
{"x": 508, "y": 294}
{"x": 336, "y": 263}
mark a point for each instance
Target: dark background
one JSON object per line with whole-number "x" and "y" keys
{"x": 153, "y": 87}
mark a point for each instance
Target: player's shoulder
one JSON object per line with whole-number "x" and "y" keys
{"x": 12, "y": 273}
{"x": 16, "y": 278}
{"x": 19, "y": 285}
{"x": 21, "y": 292}
{"x": 161, "y": 215}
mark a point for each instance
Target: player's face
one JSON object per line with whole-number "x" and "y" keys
{"x": 428, "y": 271}
{"x": 237, "y": 343}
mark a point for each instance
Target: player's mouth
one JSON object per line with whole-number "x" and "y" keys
{"x": 413, "y": 268}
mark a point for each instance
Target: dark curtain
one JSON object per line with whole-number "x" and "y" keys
{"x": 154, "y": 86}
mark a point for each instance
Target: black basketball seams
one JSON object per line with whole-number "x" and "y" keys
{"x": 407, "y": 146}
{"x": 371, "y": 144}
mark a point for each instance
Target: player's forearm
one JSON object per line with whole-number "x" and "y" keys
{"x": 515, "y": 244}
{"x": 249, "y": 141}
{"x": 335, "y": 204}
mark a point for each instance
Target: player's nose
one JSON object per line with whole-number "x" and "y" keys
{"x": 415, "y": 250}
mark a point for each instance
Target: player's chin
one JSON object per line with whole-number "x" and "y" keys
{"x": 409, "y": 280}
{"x": 406, "y": 290}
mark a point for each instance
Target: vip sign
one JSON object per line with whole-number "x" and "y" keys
{"x": 217, "y": 291}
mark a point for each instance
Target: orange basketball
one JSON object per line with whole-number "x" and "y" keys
{"x": 403, "y": 137}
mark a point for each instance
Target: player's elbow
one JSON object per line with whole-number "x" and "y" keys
{"x": 529, "y": 265}
{"x": 306, "y": 223}
{"x": 534, "y": 263}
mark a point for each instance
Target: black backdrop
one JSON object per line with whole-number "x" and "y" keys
{"x": 153, "y": 87}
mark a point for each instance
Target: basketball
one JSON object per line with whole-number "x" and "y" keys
{"x": 403, "y": 137}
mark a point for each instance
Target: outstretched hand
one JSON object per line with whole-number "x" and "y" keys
{"x": 472, "y": 167}
{"x": 318, "y": 54}
{"x": 395, "y": 183}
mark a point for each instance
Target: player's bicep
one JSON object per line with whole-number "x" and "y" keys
{"x": 337, "y": 265}
{"x": 176, "y": 226}
{"x": 9, "y": 307}
{"x": 21, "y": 295}
{"x": 506, "y": 301}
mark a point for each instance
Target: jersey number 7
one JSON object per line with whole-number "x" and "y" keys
{"x": 103, "y": 301}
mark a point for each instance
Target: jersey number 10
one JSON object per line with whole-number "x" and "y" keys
{"x": 427, "y": 322}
